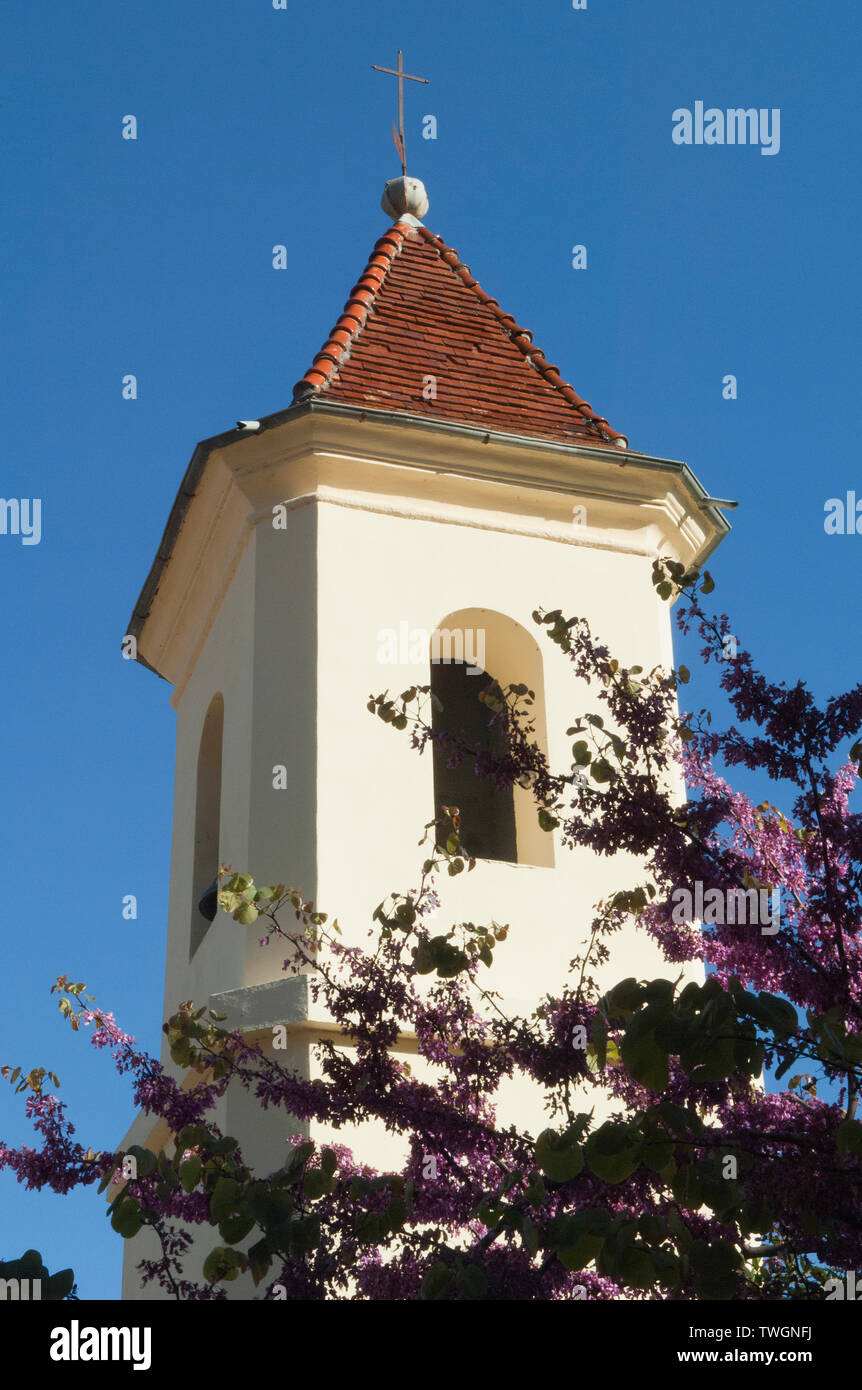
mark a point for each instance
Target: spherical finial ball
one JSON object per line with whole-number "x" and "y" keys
{"x": 404, "y": 196}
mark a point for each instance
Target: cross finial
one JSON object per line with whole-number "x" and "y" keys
{"x": 398, "y": 135}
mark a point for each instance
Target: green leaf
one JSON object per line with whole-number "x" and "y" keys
{"x": 680, "y": 1230}
{"x": 667, "y": 1267}
{"x": 749, "y": 1055}
{"x": 848, "y": 1137}
{"x": 240, "y": 882}
{"x": 30, "y": 1266}
{"x": 225, "y": 1145}
{"x": 471, "y": 1282}
{"x": 56, "y": 1288}
{"x": 423, "y": 959}
{"x": 489, "y": 1215}
{"x": 223, "y": 1263}
{"x": 224, "y": 1199}
{"x": 316, "y": 1183}
{"x": 652, "y": 1229}
{"x": 646, "y": 1063}
{"x": 624, "y": 998}
{"x": 439, "y": 954}
{"x": 558, "y": 1155}
{"x": 581, "y": 753}
{"x": 193, "y": 1137}
{"x": 536, "y": 1193}
{"x": 780, "y": 1015}
{"x": 437, "y": 1283}
{"x": 126, "y": 1217}
{"x": 710, "y": 1060}
{"x": 581, "y": 1252}
{"x": 579, "y": 1238}
{"x": 530, "y": 1235}
{"x": 450, "y": 961}
{"x": 601, "y": 770}
{"x": 235, "y": 1228}
{"x": 599, "y": 1035}
{"x": 270, "y": 1209}
{"x": 371, "y": 1227}
{"x": 635, "y": 1268}
{"x": 303, "y": 1237}
{"x": 759, "y": 1217}
{"x": 190, "y": 1172}
{"x": 181, "y": 1052}
{"x": 145, "y": 1160}
{"x": 613, "y": 1152}
{"x": 298, "y": 1159}
{"x": 259, "y": 1260}
{"x": 657, "y": 1150}
{"x": 788, "y": 1062}
{"x": 107, "y": 1177}
{"x": 720, "y": 1193}
{"x": 679, "y": 1119}
{"x": 686, "y": 1187}
{"x": 659, "y": 991}
{"x": 715, "y": 1266}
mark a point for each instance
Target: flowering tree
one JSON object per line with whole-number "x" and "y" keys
{"x": 700, "y": 1185}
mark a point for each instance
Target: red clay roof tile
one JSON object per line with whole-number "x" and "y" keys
{"x": 416, "y": 313}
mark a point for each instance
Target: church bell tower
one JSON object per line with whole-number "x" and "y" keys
{"x": 434, "y": 480}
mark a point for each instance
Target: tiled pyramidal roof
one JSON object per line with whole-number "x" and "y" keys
{"x": 418, "y": 313}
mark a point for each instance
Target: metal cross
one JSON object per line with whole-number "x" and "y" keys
{"x": 398, "y": 135}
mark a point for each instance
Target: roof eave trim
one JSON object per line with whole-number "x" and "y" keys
{"x": 318, "y": 404}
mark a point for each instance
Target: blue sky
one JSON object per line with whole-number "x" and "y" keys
{"x": 154, "y": 257}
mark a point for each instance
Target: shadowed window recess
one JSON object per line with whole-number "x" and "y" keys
{"x": 487, "y": 813}
{"x": 497, "y": 824}
{"x": 207, "y": 818}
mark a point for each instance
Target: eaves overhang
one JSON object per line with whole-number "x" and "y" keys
{"x": 320, "y": 406}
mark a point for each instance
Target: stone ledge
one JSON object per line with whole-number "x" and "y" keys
{"x": 263, "y": 1006}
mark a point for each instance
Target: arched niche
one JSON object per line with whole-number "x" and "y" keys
{"x": 207, "y": 821}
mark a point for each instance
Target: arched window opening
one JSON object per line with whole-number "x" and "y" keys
{"x": 207, "y": 818}
{"x": 487, "y": 813}
{"x": 503, "y": 823}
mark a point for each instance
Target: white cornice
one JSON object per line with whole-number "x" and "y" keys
{"x": 450, "y": 476}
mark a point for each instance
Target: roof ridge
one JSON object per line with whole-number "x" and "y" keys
{"x": 352, "y": 319}
{"x": 523, "y": 340}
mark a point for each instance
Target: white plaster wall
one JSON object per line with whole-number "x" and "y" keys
{"x": 375, "y": 793}
{"x": 294, "y": 650}
{"x": 283, "y": 830}
{"x": 225, "y": 664}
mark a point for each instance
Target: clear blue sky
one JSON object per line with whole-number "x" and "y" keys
{"x": 259, "y": 126}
